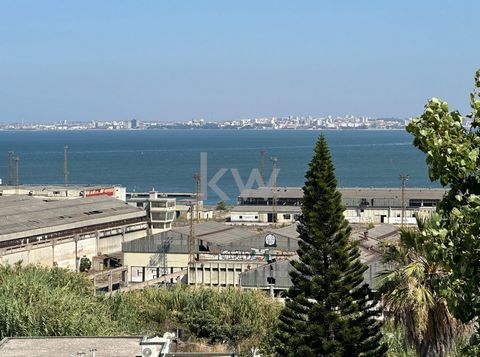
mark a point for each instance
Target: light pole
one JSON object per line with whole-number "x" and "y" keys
{"x": 403, "y": 179}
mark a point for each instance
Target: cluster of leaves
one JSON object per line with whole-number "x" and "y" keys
{"x": 453, "y": 158}
{"x": 221, "y": 206}
{"x": 241, "y": 319}
{"x": 414, "y": 291}
{"x": 38, "y": 301}
{"x": 85, "y": 264}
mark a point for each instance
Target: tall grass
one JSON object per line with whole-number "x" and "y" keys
{"x": 38, "y": 301}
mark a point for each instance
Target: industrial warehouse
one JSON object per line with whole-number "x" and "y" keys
{"x": 229, "y": 256}
{"x": 362, "y": 205}
{"x": 60, "y": 232}
{"x": 149, "y": 246}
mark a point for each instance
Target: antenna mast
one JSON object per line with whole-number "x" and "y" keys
{"x": 10, "y": 168}
{"x": 196, "y": 177}
{"x": 403, "y": 179}
{"x": 274, "y": 189}
{"x": 65, "y": 167}
{"x": 191, "y": 238}
{"x": 17, "y": 179}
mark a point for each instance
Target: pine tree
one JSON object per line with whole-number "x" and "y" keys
{"x": 329, "y": 310}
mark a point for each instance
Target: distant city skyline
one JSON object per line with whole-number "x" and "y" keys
{"x": 271, "y": 123}
{"x": 216, "y": 60}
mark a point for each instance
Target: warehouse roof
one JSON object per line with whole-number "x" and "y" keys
{"x": 70, "y": 346}
{"x": 350, "y": 192}
{"x": 288, "y": 231}
{"x": 21, "y": 214}
{"x": 215, "y": 232}
{"x": 216, "y": 236}
{"x": 266, "y": 208}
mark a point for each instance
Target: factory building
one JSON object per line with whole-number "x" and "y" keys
{"x": 363, "y": 205}
{"x": 52, "y": 192}
{"x": 60, "y": 232}
{"x": 181, "y": 206}
{"x": 221, "y": 253}
{"x": 227, "y": 256}
{"x": 275, "y": 277}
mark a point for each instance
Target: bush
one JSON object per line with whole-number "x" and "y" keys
{"x": 38, "y": 301}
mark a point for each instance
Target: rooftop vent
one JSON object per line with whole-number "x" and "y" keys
{"x": 92, "y": 212}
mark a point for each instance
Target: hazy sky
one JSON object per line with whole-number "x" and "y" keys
{"x": 179, "y": 60}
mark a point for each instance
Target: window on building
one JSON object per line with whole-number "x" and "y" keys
{"x": 286, "y": 216}
{"x": 161, "y": 204}
{"x": 159, "y": 216}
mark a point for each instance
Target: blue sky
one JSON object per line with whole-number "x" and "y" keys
{"x": 179, "y": 60}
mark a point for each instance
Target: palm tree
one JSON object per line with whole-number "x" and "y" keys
{"x": 413, "y": 291}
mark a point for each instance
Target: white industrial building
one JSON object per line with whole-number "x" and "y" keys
{"x": 57, "y": 192}
{"x": 60, "y": 232}
{"x": 362, "y": 205}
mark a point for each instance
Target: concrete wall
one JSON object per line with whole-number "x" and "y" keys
{"x": 390, "y": 215}
{"x": 146, "y": 259}
{"x": 144, "y": 266}
{"x": 62, "y": 252}
{"x": 257, "y": 217}
{"x": 113, "y": 244}
{"x": 218, "y": 273}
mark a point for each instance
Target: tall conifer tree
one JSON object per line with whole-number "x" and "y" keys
{"x": 329, "y": 310}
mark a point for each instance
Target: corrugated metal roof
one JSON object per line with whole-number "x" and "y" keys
{"x": 266, "y": 209}
{"x": 215, "y": 232}
{"x": 382, "y": 231}
{"x": 257, "y": 277}
{"x": 288, "y": 231}
{"x": 349, "y": 192}
{"x": 25, "y": 213}
{"x": 233, "y": 239}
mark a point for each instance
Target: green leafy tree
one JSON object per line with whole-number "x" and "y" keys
{"x": 412, "y": 292}
{"x": 85, "y": 264}
{"x": 453, "y": 158}
{"x": 329, "y": 310}
{"x": 221, "y": 206}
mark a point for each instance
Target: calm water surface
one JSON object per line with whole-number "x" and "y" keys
{"x": 167, "y": 159}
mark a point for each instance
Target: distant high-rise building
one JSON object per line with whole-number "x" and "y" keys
{"x": 133, "y": 124}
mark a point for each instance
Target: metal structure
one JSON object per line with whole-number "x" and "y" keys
{"x": 403, "y": 179}
{"x": 17, "y": 179}
{"x": 65, "y": 167}
{"x": 10, "y": 168}
{"x": 191, "y": 238}
{"x": 197, "y": 179}
{"x": 274, "y": 189}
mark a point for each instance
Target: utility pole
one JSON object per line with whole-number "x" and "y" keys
{"x": 262, "y": 165}
{"x": 274, "y": 190}
{"x": 17, "y": 179}
{"x": 191, "y": 238}
{"x": 10, "y": 168}
{"x": 403, "y": 179}
{"x": 65, "y": 167}
{"x": 197, "y": 179}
